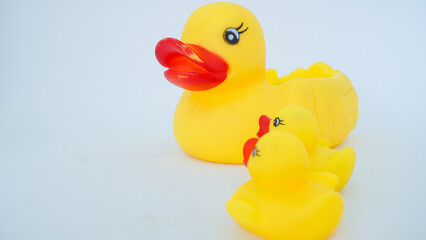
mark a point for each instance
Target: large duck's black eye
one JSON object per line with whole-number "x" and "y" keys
{"x": 232, "y": 35}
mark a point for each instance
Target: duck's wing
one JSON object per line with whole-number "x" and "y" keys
{"x": 325, "y": 92}
{"x": 327, "y": 178}
{"x": 343, "y": 163}
{"x": 273, "y": 79}
{"x": 245, "y": 212}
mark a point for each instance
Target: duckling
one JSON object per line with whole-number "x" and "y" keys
{"x": 220, "y": 62}
{"x": 284, "y": 200}
{"x": 302, "y": 123}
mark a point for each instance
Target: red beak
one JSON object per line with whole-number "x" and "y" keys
{"x": 248, "y": 149}
{"x": 190, "y": 66}
{"x": 263, "y": 125}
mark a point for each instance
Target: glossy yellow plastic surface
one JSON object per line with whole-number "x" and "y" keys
{"x": 283, "y": 200}
{"x": 301, "y": 123}
{"x": 213, "y": 124}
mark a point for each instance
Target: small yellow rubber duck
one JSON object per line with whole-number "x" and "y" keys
{"x": 283, "y": 200}
{"x": 220, "y": 62}
{"x": 302, "y": 123}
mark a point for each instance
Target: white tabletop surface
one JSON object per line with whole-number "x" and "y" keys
{"x": 86, "y": 143}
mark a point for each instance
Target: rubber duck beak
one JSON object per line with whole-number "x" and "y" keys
{"x": 263, "y": 125}
{"x": 248, "y": 149}
{"x": 190, "y": 66}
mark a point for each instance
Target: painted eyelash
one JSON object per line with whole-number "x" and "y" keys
{"x": 238, "y": 28}
{"x": 277, "y": 121}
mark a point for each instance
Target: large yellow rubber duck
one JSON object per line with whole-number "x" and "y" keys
{"x": 283, "y": 200}
{"x": 220, "y": 62}
{"x": 301, "y": 123}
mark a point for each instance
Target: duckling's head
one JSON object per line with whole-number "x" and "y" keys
{"x": 221, "y": 44}
{"x": 278, "y": 157}
{"x": 295, "y": 120}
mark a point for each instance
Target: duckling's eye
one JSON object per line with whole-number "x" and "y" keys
{"x": 277, "y": 122}
{"x": 255, "y": 152}
{"x": 232, "y": 35}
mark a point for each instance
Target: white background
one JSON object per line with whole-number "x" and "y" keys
{"x": 86, "y": 143}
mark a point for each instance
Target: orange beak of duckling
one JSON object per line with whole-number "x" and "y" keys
{"x": 248, "y": 149}
{"x": 190, "y": 66}
{"x": 263, "y": 125}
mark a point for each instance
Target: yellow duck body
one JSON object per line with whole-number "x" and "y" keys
{"x": 283, "y": 200}
{"x": 302, "y": 123}
{"x": 223, "y": 116}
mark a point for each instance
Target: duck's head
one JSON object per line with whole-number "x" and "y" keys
{"x": 278, "y": 157}
{"x": 221, "y": 44}
{"x": 293, "y": 119}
